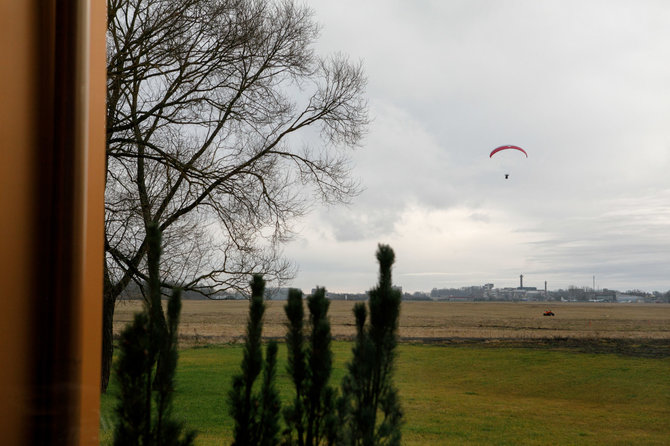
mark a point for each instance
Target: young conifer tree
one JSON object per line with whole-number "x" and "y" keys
{"x": 320, "y": 403}
{"x": 256, "y": 415}
{"x": 369, "y": 408}
{"x": 296, "y": 367}
{"x": 270, "y": 401}
{"x": 133, "y": 369}
{"x": 147, "y": 365}
{"x": 311, "y": 418}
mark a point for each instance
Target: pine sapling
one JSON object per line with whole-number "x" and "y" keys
{"x": 255, "y": 414}
{"x": 310, "y": 419}
{"x": 147, "y": 365}
{"x": 320, "y": 401}
{"x": 370, "y": 409}
{"x": 296, "y": 368}
{"x": 270, "y": 401}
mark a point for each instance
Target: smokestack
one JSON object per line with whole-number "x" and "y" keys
{"x": 521, "y": 281}
{"x": 545, "y": 288}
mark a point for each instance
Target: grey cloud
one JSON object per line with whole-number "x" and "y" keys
{"x": 349, "y": 226}
{"x": 480, "y": 217}
{"x": 581, "y": 85}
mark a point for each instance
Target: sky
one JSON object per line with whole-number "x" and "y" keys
{"x": 582, "y": 85}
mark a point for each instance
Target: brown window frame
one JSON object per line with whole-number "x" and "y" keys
{"x": 52, "y": 167}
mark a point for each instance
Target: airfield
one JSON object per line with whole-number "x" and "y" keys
{"x": 213, "y": 322}
{"x": 468, "y": 373}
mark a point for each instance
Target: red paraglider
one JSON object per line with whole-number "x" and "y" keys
{"x": 505, "y": 148}
{"x": 496, "y": 150}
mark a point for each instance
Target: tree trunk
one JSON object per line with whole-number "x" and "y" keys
{"x": 110, "y": 293}
{"x": 108, "y": 304}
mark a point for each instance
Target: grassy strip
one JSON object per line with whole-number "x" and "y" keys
{"x": 644, "y": 348}
{"x": 466, "y": 394}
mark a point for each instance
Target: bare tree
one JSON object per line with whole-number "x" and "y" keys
{"x": 219, "y": 113}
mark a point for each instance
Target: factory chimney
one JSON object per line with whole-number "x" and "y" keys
{"x": 521, "y": 281}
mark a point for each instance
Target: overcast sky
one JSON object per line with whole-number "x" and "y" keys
{"x": 582, "y": 85}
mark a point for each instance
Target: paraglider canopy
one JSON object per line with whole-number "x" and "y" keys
{"x": 496, "y": 150}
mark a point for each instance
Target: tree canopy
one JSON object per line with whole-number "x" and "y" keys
{"x": 219, "y": 114}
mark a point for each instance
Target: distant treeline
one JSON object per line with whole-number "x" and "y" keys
{"x": 471, "y": 293}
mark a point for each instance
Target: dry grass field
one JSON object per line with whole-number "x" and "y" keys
{"x": 225, "y": 321}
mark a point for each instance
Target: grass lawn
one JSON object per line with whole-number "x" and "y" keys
{"x": 466, "y": 395}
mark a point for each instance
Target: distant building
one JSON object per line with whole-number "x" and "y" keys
{"x": 606, "y": 295}
{"x": 629, "y": 298}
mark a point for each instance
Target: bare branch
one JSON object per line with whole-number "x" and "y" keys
{"x": 205, "y": 98}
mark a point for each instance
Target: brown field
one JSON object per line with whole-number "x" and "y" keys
{"x": 225, "y": 321}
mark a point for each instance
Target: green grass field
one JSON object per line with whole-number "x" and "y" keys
{"x": 467, "y": 395}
